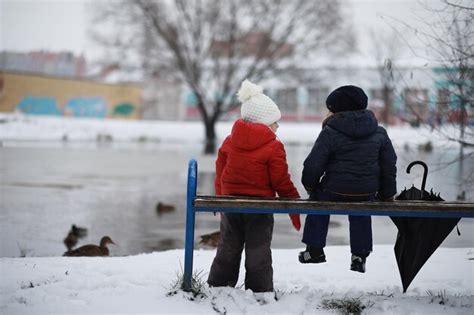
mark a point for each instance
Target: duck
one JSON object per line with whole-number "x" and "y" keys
{"x": 78, "y": 231}
{"x": 70, "y": 241}
{"x": 92, "y": 250}
{"x": 164, "y": 208}
{"x": 211, "y": 239}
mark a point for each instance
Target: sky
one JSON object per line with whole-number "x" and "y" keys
{"x": 44, "y": 25}
{"x": 64, "y": 24}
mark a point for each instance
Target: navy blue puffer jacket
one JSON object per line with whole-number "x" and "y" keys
{"x": 352, "y": 155}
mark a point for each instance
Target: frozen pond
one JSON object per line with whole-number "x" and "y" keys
{"x": 113, "y": 190}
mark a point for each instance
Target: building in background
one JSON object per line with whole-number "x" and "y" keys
{"x": 58, "y": 83}
{"x": 415, "y": 98}
{"x": 407, "y": 91}
{"x": 162, "y": 99}
{"x": 62, "y": 64}
{"x": 49, "y": 95}
{"x": 49, "y": 83}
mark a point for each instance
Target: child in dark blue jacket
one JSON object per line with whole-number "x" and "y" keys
{"x": 352, "y": 160}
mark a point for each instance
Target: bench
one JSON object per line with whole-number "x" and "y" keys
{"x": 196, "y": 203}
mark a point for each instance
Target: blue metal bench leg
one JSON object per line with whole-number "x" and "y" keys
{"x": 190, "y": 219}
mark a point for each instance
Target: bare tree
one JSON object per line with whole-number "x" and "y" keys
{"x": 449, "y": 36}
{"x": 386, "y": 48}
{"x": 454, "y": 44}
{"x": 213, "y": 45}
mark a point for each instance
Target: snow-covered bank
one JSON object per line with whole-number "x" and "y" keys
{"x": 18, "y": 127}
{"x": 139, "y": 284}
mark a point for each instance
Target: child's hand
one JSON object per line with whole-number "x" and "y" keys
{"x": 295, "y": 220}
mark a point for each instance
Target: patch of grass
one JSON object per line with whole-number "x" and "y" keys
{"x": 441, "y": 296}
{"x": 27, "y": 286}
{"x": 346, "y": 305}
{"x": 198, "y": 285}
{"x": 381, "y": 293}
{"x": 24, "y": 251}
{"x": 279, "y": 294}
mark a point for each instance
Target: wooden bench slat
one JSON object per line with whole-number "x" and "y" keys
{"x": 214, "y": 203}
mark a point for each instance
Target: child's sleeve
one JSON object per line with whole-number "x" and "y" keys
{"x": 315, "y": 163}
{"x": 281, "y": 181}
{"x": 220, "y": 164}
{"x": 279, "y": 176}
{"x": 388, "y": 170}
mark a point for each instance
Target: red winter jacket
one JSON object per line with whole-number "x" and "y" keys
{"x": 252, "y": 162}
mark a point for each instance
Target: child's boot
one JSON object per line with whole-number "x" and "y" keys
{"x": 358, "y": 262}
{"x": 312, "y": 255}
{"x": 265, "y": 297}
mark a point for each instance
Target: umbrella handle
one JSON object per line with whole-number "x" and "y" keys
{"x": 425, "y": 173}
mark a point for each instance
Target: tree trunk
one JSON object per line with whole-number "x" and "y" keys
{"x": 387, "y": 100}
{"x": 210, "y": 141}
{"x": 462, "y": 120}
{"x": 209, "y": 125}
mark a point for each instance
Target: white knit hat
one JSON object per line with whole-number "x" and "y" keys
{"x": 256, "y": 106}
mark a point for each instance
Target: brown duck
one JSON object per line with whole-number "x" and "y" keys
{"x": 78, "y": 231}
{"x": 163, "y": 208}
{"x": 74, "y": 234}
{"x": 70, "y": 241}
{"x": 92, "y": 250}
{"x": 211, "y": 239}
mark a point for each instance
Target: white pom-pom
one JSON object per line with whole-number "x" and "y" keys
{"x": 248, "y": 90}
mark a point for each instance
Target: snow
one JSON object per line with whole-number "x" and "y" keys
{"x": 19, "y": 127}
{"x": 140, "y": 284}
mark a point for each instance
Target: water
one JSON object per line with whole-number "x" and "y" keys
{"x": 113, "y": 190}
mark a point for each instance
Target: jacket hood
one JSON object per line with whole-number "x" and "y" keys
{"x": 249, "y": 136}
{"x": 355, "y": 124}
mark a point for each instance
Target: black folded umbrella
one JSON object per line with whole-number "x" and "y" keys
{"x": 418, "y": 238}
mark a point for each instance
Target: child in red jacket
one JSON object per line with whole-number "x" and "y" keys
{"x": 250, "y": 162}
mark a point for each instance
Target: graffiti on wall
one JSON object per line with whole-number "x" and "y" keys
{"x": 38, "y": 105}
{"x": 80, "y": 106}
{"x": 123, "y": 109}
{"x": 86, "y": 107}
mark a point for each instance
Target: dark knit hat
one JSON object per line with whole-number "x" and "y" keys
{"x": 345, "y": 98}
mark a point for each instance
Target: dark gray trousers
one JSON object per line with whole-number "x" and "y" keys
{"x": 254, "y": 231}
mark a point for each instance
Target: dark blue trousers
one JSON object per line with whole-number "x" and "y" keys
{"x": 360, "y": 227}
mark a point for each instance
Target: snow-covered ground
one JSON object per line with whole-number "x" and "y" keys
{"x": 140, "y": 284}
{"x": 17, "y": 127}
